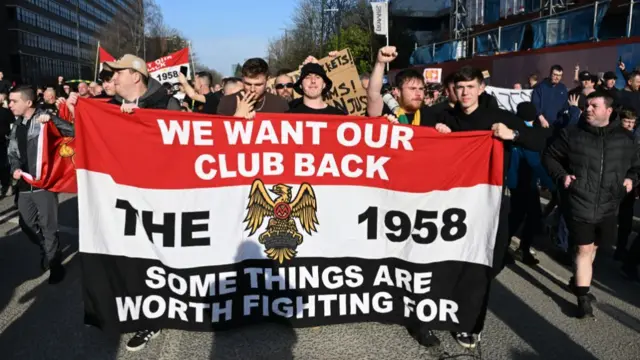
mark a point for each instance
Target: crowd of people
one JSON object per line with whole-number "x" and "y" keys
{"x": 578, "y": 144}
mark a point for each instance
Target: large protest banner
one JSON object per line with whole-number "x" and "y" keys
{"x": 302, "y": 219}
{"x": 347, "y": 92}
{"x": 167, "y": 68}
{"x": 508, "y": 99}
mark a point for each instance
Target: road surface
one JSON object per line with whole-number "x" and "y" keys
{"x": 530, "y": 317}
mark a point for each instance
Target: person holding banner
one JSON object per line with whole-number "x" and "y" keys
{"x": 38, "y": 208}
{"x": 470, "y": 115}
{"x": 135, "y": 88}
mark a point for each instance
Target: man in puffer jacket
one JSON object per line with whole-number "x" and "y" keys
{"x": 597, "y": 163}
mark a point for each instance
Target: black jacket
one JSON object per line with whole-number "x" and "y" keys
{"x": 24, "y": 142}
{"x": 600, "y": 159}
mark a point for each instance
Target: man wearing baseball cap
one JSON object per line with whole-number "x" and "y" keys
{"x": 134, "y": 86}
{"x": 587, "y": 86}
{"x": 313, "y": 84}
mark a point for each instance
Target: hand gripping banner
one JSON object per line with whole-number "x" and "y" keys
{"x": 199, "y": 222}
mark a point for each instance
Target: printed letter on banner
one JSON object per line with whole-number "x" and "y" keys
{"x": 217, "y": 223}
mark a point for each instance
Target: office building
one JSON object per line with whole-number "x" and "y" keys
{"x": 43, "y": 39}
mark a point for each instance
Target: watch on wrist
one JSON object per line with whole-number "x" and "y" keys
{"x": 516, "y": 134}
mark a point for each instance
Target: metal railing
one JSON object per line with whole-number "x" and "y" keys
{"x": 495, "y": 35}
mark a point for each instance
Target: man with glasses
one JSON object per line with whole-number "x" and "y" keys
{"x": 284, "y": 85}
{"x": 550, "y": 97}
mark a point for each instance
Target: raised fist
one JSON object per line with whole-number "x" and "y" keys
{"x": 387, "y": 54}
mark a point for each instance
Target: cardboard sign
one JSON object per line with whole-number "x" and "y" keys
{"x": 432, "y": 75}
{"x": 347, "y": 92}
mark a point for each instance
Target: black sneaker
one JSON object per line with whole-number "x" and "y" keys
{"x": 56, "y": 273}
{"x": 526, "y": 257}
{"x": 585, "y": 310}
{"x": 466, "y": 340}
{"x": 424, "y": 336}
{"x": 572, "y": 288}
{"x": 141, "y": 338}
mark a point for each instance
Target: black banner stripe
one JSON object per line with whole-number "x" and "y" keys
{"x": 345, "y": 288}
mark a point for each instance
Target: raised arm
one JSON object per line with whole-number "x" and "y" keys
{"x": 374, "y": 99}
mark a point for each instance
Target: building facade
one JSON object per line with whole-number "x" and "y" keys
{"x": 44, "y": 39}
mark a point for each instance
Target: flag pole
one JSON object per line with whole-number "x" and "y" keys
{"x": 387, "y": 35}
{"x": 95, "y": 71}
{"x": 193, "y": 63}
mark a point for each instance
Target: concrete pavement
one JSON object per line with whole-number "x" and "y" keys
{"x": 530, "y": 317}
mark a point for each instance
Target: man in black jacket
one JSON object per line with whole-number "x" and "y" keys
{"x": 38, "y": 207}
{"x": 471, "y": 114}
{"x": 597, "y": 163}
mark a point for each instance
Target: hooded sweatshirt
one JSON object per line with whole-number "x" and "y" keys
{"x": 155, "y": 97}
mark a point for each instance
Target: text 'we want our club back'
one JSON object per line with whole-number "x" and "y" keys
{"x": 259, "y": 158}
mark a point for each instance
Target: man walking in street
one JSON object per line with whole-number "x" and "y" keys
{"x": 38, "y": 208}
{"x": 597, "y": 162}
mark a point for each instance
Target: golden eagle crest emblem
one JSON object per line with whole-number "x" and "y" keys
{"x": 281, "y": 237}
{"x": 65, "y": 150}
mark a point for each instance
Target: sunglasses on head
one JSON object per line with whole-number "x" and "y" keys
{"x": 282, "y": 86}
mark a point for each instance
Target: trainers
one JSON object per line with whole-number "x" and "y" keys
{"x": 585, "y": 310}
{"x": 424, "y": 336}
{"x": 141, "y": 338}
{"x": 466, "y": 340}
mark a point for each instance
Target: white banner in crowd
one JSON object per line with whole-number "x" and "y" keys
{"x": 508, "y": 99}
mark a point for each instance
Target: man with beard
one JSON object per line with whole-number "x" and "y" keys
{"x": 284, "y": 85}
{"x": 312, "y": 85}
{"x": 254, "y": 97}
{"x": 411, "y": 87}
{"x": 470, "y": 115}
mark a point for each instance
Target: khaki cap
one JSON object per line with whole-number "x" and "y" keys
{"x": 128, "y": 62}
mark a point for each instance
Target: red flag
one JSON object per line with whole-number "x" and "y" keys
{"x": 105, "y": 56}
{"x": 56, "y": 162}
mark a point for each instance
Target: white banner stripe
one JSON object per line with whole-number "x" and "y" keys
{"x": 338, "y": 235}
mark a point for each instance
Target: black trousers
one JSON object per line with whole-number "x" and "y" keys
{"x": 5, "y": 178}
{"x": 625, "y": 221}
{"x": 525, "y": 207}
{"x": 39, "y": 221}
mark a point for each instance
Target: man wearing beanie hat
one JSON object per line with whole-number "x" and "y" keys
{"x": 522, "y": 179}
{"x": 313, "y": 84}
{"x": 609, "y": 85}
